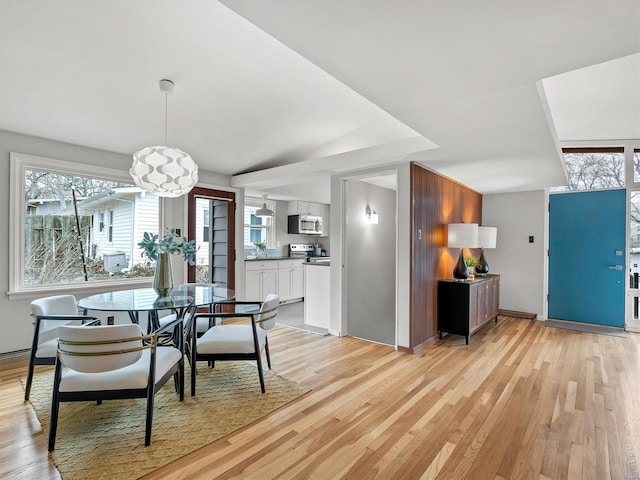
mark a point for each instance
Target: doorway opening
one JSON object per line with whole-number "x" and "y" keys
{"x": 212, "y": 225}
{"x": 370, "y": 258}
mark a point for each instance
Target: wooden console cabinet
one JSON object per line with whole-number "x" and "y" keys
{"x": 465, "y": 306}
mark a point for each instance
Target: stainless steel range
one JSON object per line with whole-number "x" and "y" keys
{"x": 301, "y": 250}
{"x": 308, "y": 251}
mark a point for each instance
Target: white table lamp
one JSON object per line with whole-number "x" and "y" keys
{"x": 462, "y": 235}
{"x": 487, "y": 237}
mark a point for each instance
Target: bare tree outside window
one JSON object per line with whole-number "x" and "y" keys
{"x": 593, "y": 171}
{"x": 54, "y": 250}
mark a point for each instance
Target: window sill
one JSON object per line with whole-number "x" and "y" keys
{"x": 80, "y": 290}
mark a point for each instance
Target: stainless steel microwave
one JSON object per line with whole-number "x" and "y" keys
{"x": 305, "y": 224}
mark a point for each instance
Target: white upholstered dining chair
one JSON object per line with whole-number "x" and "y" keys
{"x": 114, "y": 362}
{"x": 234, "y": 341}
{"x": 48, "y": 313}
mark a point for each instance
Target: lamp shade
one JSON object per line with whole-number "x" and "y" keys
{"x": 165, "y": 171}
{"x": 487, "y": 237}
{"x": 462, "y": 235}
{"x": 264, "y": 211}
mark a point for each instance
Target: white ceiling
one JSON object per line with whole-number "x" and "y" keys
{"x": 312, "y": 88}
{"x": 600, "y": 102}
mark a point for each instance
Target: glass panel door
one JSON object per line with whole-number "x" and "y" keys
{"x": 211, "y": 224}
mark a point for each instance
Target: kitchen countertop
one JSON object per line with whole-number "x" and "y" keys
{"x": 247, "y": 259}
{"x": 317, "y": 264}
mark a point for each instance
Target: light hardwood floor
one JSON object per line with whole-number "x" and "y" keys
{"x": 522, "y": 401}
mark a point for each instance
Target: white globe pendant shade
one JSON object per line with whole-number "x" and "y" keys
{"x": 165, "y": 171}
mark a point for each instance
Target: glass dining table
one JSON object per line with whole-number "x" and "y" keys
{"x": 180, "y": 300}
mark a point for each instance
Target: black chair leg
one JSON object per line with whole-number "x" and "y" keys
{"x": 53, "y": 425}
{"x": 266, "y": 349}
{"x": 259, "y": 361}
{"x": 27, "y": 388}
{"x": 181, "y": 385}
{"x": 55, "y": 407}
{"x": 193, "y": 377}
{"x": 147, "y": 433}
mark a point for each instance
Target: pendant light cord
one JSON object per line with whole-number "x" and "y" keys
{"x": 166, "y": 109}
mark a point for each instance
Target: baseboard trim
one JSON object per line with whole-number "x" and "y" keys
{"x": 418, "y": 348}
{"x": 14, "y": 357}
{"x": 515, "y": 313}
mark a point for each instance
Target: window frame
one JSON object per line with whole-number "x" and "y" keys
{"x": 18, "y": 164}
{"x": 270, "y": 229}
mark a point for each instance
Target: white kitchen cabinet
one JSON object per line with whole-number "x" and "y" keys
{"x": 290, "y": 279}
{"x": 315, "y": 209}
{"x": 298, "y": 207}
{"x": 261, "y": 279}
{"x": 316, "y": 295}
{"x": 301, "y": 207}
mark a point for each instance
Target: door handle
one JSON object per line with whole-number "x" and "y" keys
{"x": 615, "y": 267}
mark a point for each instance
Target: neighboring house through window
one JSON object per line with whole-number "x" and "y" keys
{"x": 205, "y": 225}
{"x": 110, "y": 230}
{"x": 45, "y": 247}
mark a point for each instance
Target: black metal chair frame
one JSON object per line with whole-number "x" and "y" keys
{"x": 158, "y": 339}
{"x": 212, "y": 357}
{"x": 33, "y": 360}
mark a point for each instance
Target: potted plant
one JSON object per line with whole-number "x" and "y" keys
{"x": 159, "y": 250}
{"x": 471, "y": 262}
{"x": 261, "y": 248}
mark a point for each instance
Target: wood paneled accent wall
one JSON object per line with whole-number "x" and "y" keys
{"x": 435, "y": 202}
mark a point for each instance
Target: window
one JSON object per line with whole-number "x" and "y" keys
{"x": 110, "y": 230}
{"x": 51, "y": 200}
{"x": 593, "y": 168}
{"x": 205, "y": 225}
{"x": 257, "y": 229}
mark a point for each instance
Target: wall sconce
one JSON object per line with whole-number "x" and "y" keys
{"x": 486, "y": 239}
{"x": 462, "y": 235}
{"x": 371, "y": 215}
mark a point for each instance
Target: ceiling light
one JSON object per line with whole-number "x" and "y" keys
{"x": 264, "y": 211}
{"x": 165, "y": 171}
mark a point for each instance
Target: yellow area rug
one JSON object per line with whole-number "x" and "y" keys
{"x": 107, "y": 441}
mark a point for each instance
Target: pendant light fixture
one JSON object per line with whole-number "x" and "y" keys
{"x": 264, "y": 212}
{"x": 163, "y": 170}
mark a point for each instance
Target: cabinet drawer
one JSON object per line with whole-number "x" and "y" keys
{"x": 261, "y": 265}
{"x": 294, "y": 263}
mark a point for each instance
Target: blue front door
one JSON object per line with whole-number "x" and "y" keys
{"x": 586, "y": 256}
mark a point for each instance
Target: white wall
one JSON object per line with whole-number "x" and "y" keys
{"x": 521, "y": 265}
{"x": 15, "y": 321}
{"x": 370, "y": 267}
